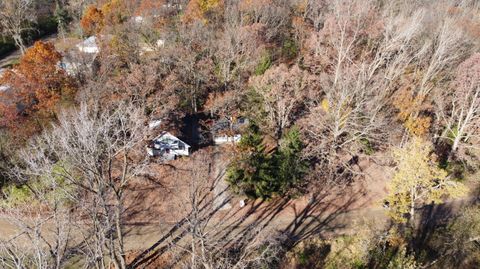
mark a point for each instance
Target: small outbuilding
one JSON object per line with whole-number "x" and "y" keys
{"x": 168, "y": 147}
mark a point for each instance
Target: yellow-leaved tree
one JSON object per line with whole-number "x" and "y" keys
{"x": 200, "y": 9}
{"x": 418, "y": 180}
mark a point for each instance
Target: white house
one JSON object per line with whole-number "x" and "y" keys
{"x": 88, "y": 45}
{"x": 167, "y": 146}
{"x": 222, "y": 139}
{"x": 224, "y": 131}
{"x": 76, "y": 63}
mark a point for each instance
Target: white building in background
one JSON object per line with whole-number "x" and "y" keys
{"x": 89, "y": 45}
{"x": 146, "y": 47}
{"x": 168, "y": 147}
{"x": 224, "y": 131}
{"x": 222, "y": 139}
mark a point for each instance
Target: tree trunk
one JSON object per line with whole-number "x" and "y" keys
{"x": 412, "y": 207}
{"x": 453, "y": 150}
{"x": 17, "y": 38}
{"x": 118, "y": 226}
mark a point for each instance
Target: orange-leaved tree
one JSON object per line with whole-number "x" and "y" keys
{"x": 112, "y": 13}
{"x": 115, "y": 12}
{"x": 36, "y": 85}
{"x": 92, "y": 20}
{"x": 201, "y": 9}
{"x": 411, "y": 110}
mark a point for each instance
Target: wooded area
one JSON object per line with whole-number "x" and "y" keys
{"x": 314, "y": 134}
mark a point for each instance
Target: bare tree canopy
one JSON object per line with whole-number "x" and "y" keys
{"x": 16, "y": 17}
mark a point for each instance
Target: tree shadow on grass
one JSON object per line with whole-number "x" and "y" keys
{"x": 432, "y": 231}
{"x": 324, "y": 214}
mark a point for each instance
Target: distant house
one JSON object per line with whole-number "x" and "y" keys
{"x": 76, "y": 63}
{"x": 89, "y": 45}
{"x": 224, "y": 131}
{"x": 168, "y": 147}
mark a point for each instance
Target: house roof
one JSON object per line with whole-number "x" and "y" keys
{"x": 167, "y": 138}
{"x": 88, "y": 45}
{"x": 91, "y": 42}
{"x": 222, "y": 125}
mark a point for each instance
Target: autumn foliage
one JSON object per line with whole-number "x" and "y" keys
{"x": 148, "y": 7}
{"x": 350, "y": 104}
{"x": 199, "y": 10}
{"x": 115, "y": 12}
{"x": 409, "y": 108}
{"x": 37, "y": 85}
{"x": 111, "y": 13}
{"x": 92, "y": 20}
{"x": 418, "y": 180}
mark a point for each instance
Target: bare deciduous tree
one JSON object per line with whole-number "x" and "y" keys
{"x": 90, "y": 150}
{"x": 239, "y": 49}
{"x": 463, "y": 118}
{"x": 348, "y": 108}
{"x": 272, "y": 14}
{"x": 15, "y": 19}
{"x": 356, "y": 80}
{"x": 448, "y": 47}
{"x": 282, "y": 92}
{"x": 43, "y": 224}
{"x": 193, "y": 67}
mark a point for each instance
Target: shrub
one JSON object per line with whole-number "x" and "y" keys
{"x": 264, "y": 64}
{"x": 16, "y": 195}
{"x": 289, "y": 49}
{"x": 251, "y": 173}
